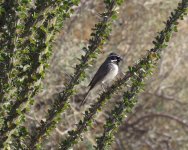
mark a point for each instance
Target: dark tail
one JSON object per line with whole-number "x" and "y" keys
{"x": 84, "y": 100}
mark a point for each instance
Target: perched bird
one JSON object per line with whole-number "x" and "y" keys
{"x": 106, "y": 73}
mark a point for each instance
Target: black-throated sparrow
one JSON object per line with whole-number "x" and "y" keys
{"x": 106, "y": 73}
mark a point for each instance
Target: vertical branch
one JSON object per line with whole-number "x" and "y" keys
{"x": 7, "y": 43}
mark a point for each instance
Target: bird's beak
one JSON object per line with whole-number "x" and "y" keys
{"x": 120, "y": 58}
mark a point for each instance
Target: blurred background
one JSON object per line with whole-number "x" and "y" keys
{"x": 159, "y": 121}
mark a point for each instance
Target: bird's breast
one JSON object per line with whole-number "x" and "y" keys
{"x": 113, "y": 71}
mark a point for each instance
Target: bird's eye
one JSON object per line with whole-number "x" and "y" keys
{"x": 113, "y": 58}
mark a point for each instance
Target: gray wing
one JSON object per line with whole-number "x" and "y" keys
{"x": 99, "y": 75}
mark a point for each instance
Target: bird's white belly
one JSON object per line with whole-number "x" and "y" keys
{"x": 112, "y": 73}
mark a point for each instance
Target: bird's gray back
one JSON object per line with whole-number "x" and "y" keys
{"x": 100, "y": 74}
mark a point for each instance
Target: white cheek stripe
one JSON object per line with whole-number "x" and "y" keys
{"x": 113, "y": 60}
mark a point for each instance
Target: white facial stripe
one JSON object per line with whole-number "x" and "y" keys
{"x": 113, "y": 60}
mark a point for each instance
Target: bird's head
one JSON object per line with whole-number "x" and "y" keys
{"x": 114, "y": 58}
